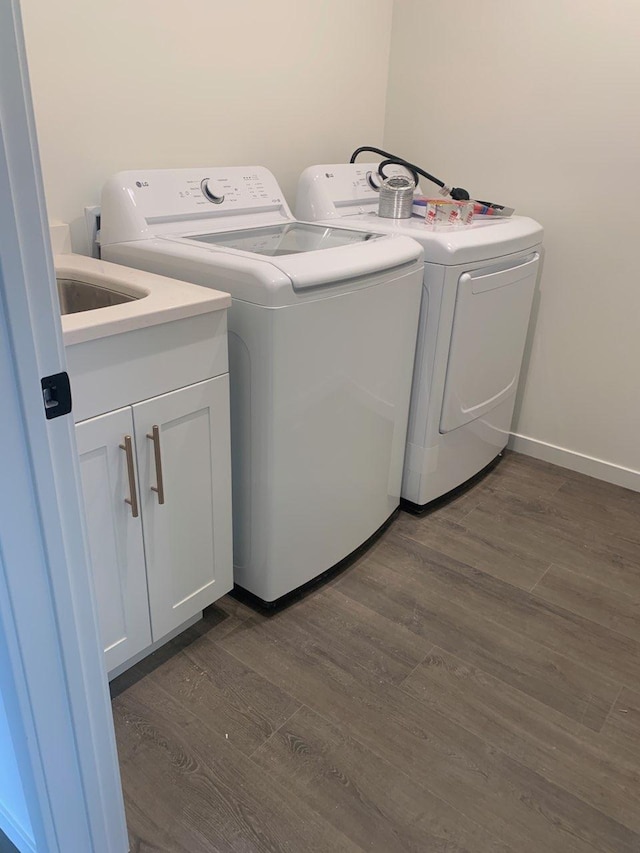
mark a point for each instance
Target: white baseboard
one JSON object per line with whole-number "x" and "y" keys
{"x": 589, "y": 465}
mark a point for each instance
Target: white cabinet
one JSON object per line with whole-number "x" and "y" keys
{"x": 157, "y": 564}
{"x": 115, "y": 537}
{"x": 187, "y": 538}
{"x": 153, "y": 572}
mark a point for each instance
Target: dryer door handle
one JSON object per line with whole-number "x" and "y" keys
{"x": 484, "y": 279}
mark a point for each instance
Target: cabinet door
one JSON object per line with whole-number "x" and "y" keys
{"x": 115, "y": 536}
{"x": 185, "y": 485}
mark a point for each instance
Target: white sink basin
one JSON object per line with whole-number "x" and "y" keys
{"x": 101, "y": 299}
{"x": 75, "y": 296}
{"x": 130, "y": 335}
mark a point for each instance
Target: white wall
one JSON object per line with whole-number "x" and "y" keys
{"x": 535, "y": 105}
{"x": 159, "y": 83}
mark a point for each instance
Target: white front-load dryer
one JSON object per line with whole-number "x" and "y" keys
{"x": 322, "y": 333}
{"x": 478, "y": 289}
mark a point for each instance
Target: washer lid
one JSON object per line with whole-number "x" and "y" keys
{"x": 293, "y": 238}
{"x": 308, "y": 255}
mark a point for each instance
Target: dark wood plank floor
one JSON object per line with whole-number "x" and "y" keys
{"x": 472, "y": 683}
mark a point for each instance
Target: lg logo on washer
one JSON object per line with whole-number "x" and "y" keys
{"x": 142, "y": 183}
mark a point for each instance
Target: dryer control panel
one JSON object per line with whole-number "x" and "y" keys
{"x": 135, "y": 202}
{"x": 340, "y": 189}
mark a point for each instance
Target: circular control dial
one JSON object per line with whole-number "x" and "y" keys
{"x": 209, "y": 191}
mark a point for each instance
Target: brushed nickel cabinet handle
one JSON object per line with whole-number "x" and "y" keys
{"x": 131, "y": 472}
{"x": 155, "y": 438}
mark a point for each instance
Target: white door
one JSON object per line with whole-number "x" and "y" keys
{"x": 490, "y": 324}
{"x": 182, "y": 441}
{"x": 114, "y": 526}
{"x": 52, "y": 682}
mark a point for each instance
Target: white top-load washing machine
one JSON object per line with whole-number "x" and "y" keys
{"x": 322, "y": 333}
{"x": 479, "y": 282}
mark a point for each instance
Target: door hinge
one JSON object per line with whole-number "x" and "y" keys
{"x": 56, "y": 393}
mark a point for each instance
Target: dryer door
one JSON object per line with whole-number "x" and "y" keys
{"x": 487, "y": 342}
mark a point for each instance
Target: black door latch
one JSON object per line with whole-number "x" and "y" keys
{"x": 56, "y": 393}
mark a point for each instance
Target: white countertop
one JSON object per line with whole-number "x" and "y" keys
{"x": 162, "y": 299}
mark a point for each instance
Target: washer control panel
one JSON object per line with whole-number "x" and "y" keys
{"x": 248, "y": 189}
{"x": 161, "y": 194}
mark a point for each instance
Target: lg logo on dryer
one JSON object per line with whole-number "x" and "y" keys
{"x": 142, "y": 183}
